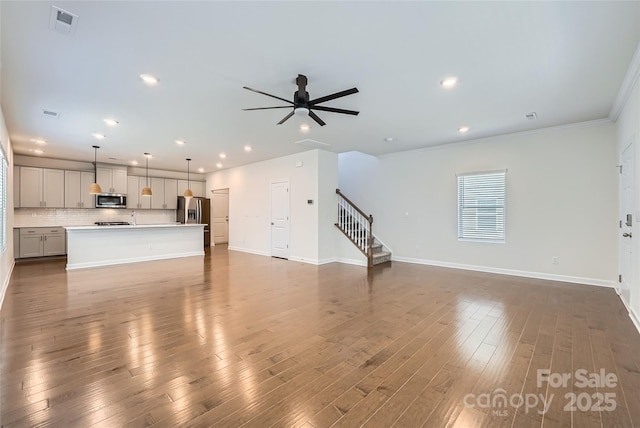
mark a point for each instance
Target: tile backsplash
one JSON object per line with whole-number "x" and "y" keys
{"x": 46, "y": 217}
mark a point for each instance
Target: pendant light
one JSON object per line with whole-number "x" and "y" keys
{"x": 95, "y": 188}
{"x": 146, "y": 190}
{"x": 188, "y": 193}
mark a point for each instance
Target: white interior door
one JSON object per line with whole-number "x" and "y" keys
{"x": 626, "y": 221}
{"x": 220, "y": 216}
{"x": 280, "y": 219}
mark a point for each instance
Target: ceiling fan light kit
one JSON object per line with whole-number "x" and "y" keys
{"x": 301, "y": 104}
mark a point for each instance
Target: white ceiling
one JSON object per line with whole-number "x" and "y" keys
{"x": 564, "y": 60}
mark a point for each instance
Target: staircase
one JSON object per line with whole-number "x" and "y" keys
{"x": 358, "y": 228}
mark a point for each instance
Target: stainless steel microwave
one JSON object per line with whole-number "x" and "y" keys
{"x": 111, "y": 200}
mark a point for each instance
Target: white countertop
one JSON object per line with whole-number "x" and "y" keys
{"x": 130, "y": 226}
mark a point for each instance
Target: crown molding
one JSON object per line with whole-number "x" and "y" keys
{"x": 630, "y": 79}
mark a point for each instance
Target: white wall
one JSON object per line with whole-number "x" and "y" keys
{"x": 561, "y": 201}
{"x": 628, "y": 125}
{"x": 327, "y": 205}
{"x": 6, "y": 258}
{"x": 249, "y": 203}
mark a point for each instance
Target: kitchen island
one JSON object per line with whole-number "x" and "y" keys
{"x": 91, "y": 246}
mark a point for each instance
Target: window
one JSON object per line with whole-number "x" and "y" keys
{"x": 3, "y": 201}
{"x": 481, "y": 206}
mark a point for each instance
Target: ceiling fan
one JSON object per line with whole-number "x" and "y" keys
{"x": 301, "y": 104}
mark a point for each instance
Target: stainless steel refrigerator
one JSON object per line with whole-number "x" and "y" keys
{"x": 197, "y": 211}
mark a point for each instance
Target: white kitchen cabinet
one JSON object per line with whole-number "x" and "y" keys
{"x": 197, "y": 187}
{"x": 165, "y": 193}
{"x": 54, "y": 243}
{"x": 112, "y": 180}
{"x": 76, "y": 189}
{"x": 41, "y": 187}
{"x": 157, "y": 187}
{"x": 42, "y": 241}
{"x": 170, "y": 194}
{"x": 134, "y": 189}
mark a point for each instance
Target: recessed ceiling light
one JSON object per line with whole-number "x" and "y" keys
{"x": 388, "y": 139}
{"x": 247, "y": 148}
{"x": 222, "y": 156}
{"x": 449, "y": 82}
{"x": 149, "y": 79}
{"x": 110, "y": 122}
{"x": 304, "y": 127}
{"x": 134, "y": 162}
{"x": 38, "y": 141}
{"x": 37, "y": 151}
{"x": 180, "y": 142}
{"x": 219, "y": 165}
{"x": 99, "y": 136}
{"x": 200, "y": 169}
{"x": 463, "y": 129}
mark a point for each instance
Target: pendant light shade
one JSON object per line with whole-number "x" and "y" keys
{"x": 146, "y": 190}
{"x": 188, "y": 193}
{"x": 95, "y": 188}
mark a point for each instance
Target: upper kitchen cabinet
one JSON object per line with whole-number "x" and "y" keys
{"x": 170, "y": 194}
{"x": 197, "y": 187}
{"x": 76, "y": 189}
{"x": 165, "y": 193}
{"x": 112, "y": 180}
{"x": 157, "y": 199}
{"x": 41, "y": 187}
{"x": 135, "y": 200}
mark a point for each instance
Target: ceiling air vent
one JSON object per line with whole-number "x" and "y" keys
{"x": 52, "y": 114}
{"x": 531, "y": 116}
{"x": 62, "y": 21}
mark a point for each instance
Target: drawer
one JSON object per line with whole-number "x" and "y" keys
{"x": 40, "y": 230}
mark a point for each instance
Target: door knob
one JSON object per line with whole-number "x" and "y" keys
{"x": 627, "y": 235}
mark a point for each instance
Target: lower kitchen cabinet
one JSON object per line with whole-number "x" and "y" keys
{"x": 42, "y": 241}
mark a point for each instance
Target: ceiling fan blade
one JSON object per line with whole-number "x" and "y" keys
{"x": 334, "y": 96}
{"x": 335, "y": 110}
{"x": 269, "y": 95}
{"x": 285, "y": 118}
{"x": 316, "y": 118}
{"x": 264, "y": 108}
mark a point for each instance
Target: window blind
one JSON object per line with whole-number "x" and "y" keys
{"x": 481, "y": 206}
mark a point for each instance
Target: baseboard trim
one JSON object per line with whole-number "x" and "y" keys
{"x": 512, "y": 272}
{"x": 5, "y": 283}
{"x": 352, "y": 262}
{"x": 74, "y": 266}
{"x": 248, "y": 250}
{"x": 315, "y": 262}
{"x": 635, "y": 319}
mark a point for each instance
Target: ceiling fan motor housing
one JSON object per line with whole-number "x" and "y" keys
{"x": 301, "y": 104}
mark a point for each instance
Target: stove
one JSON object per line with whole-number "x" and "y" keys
{"x": 112, "y": 223}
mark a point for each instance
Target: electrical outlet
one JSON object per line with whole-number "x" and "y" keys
{"x": 150, "y": 246}
{"x": 555, "y": 260}
{"x": 33, "y": 214}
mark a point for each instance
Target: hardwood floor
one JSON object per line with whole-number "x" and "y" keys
{"x": 245, "y": 340}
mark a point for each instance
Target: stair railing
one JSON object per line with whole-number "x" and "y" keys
{"x": 356, "y": 225}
